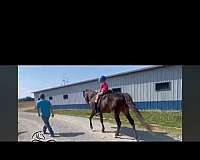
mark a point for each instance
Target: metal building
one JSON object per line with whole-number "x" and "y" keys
{"x": 157, "y": 87}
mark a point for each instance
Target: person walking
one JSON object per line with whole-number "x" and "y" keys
{"x": 45, "y": 108}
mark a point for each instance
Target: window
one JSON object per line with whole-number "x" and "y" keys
{"x": 65, "y": 96}
{"x": 50, "y": 98}
{"x": 116, "y": 90}
{"x": 165, "y": 86}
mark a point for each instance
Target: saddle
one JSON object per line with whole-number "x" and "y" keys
{"x": 101, "y": 98}
{"x": 109, "y": 91}
{"x": 104, "y": 95}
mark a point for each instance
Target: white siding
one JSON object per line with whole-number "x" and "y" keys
{"x": 140, "y": 85}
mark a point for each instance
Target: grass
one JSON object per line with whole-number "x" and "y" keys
{"x": 170, "y": 122}
{"x": 26, "y": 104}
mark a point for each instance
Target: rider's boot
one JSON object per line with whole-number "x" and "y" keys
{"x": 97, "y": 110}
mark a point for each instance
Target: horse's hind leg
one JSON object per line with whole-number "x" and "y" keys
{"x": 101, "y": 119}
{"x": 131, "y": 121}
{"x": 117, "y": 119}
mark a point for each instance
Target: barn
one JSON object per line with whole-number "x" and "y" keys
{"x": 152, "y": 88}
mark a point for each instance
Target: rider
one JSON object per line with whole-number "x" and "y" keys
{"x": 103, "y": 88}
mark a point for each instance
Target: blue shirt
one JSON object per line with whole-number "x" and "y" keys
{"x": 45, "y": 107}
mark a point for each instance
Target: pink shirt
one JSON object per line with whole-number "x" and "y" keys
{"x": 103, "y": 87}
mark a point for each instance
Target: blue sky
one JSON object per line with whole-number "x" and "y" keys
{"x": 32, "y": 78}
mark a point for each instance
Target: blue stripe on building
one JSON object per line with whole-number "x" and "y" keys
{"x": 153, "y": 105}
{"x": 72, "y": 106}
{"x": 161, "y": 105}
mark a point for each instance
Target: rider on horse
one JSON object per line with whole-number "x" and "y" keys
{"x": 103, "y": 88}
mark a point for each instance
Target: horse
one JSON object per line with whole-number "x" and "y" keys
{"x": 115, "y": 103}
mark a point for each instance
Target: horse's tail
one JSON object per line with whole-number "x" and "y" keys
{"x": 131, "y": 104}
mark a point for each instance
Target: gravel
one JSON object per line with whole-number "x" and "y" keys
{"x": 76, "y": 129}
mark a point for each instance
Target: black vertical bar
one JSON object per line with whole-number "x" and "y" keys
{"x": 8, "y": 97}
{"x": 191, "y": 105}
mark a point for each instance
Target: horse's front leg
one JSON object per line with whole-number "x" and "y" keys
{"x": 91, "y": 116}
{"x": 101, "y": 119}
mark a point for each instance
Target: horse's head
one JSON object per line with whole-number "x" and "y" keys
{"x": 89, "y": 95}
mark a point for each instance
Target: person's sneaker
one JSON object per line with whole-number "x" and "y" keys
{"x": 52, "y": 135}
{"x": 44, "y": 132}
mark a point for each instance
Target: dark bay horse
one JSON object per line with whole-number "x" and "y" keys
{"x": 116, "y": 103}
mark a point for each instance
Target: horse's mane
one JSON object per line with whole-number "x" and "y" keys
{"x": 91, "y": 91}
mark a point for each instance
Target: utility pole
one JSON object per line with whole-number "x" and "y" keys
{"x": 65, "y": 80}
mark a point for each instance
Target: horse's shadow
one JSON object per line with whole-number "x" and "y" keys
{"x": 106, "y": 131}
{"x": 145, "y": 135}
{"x": 69, "y": 134}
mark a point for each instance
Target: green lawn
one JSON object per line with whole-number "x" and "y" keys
{"x": 26, "y": 104}
{"x": 170, "y": 122}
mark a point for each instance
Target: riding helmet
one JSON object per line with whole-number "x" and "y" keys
{"x": 102, "y": 78}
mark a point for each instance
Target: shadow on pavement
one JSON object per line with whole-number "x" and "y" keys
{"x": 106, "y": 131}
{"x": 146, "y": 135}
{"x": 21, "y": 132}
{"x": 109, "y": 131}
{"x": 143, "y": 135}
{"x": 71, "y": 134}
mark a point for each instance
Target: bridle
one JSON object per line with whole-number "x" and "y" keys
{"x": 88, "y": 95}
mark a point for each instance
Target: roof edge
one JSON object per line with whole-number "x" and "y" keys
{"x": 110, "y": 76}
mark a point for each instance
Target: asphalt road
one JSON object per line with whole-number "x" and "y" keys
{"x": 71, "y": 128}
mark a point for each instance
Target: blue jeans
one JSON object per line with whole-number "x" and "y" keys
{"x": 47, "y": 125}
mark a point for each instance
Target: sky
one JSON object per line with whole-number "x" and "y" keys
{"x": 33, "y": 78}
